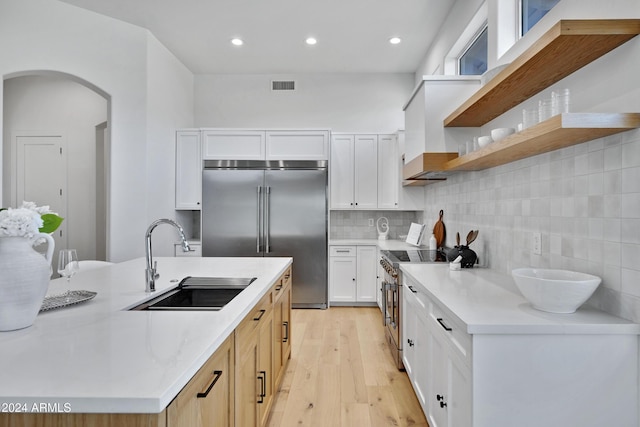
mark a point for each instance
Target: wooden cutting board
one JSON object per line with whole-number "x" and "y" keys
{"x": 439, "y": 230}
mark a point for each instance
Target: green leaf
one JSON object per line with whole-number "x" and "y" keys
{"x": 51, "y": 222}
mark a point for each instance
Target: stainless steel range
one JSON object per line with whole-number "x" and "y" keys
{"x": 392, "y": 293}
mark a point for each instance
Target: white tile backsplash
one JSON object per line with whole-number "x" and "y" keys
{"x": 354, "y": 224}
{"x": 584, "y": 200}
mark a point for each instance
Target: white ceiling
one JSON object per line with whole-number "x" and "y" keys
{"x": 353, "y": 35}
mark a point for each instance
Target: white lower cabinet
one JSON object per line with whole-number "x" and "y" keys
{"x": 509, "y": 378}
{"x": 435, "y": 361}
{"x": 449, "y": 398}
{"x": 352, "y": 274}
{"x": 416, "y": 338}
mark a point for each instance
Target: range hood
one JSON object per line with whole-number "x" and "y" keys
{"x": 428, "y": 145}
{"x": 426, "y": 168}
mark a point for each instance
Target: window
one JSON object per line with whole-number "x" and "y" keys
{"x": 473, "y": 60}
{"x": 531, "y": 11}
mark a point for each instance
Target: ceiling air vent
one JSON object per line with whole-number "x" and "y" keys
{"x": 283, "y": 85}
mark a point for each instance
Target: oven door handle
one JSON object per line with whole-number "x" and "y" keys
{"x": 386, "y": 287}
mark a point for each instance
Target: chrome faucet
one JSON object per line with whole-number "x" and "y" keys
{"x": 152, "y": 268}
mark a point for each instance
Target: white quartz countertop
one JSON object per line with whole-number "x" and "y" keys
{"x": 99, "y": 357}
{"x": 488, "y": 302}
{"x": 387, "y": 245}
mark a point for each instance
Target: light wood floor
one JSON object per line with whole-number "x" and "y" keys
{"x": 341, "y": 374}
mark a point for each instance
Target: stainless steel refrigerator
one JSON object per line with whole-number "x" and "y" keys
{"x": 273, "y": 209}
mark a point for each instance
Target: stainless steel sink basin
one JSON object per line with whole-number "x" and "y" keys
{"x": 198, "y": 293}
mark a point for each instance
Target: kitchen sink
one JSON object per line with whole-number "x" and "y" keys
{"x": 198, "y": 293}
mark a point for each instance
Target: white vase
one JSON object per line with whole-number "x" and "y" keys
{"x": 24, "y": 278}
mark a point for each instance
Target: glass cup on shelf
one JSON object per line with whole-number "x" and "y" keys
{"x": 68, "y": 266}
{"x": 544, "y": 109}
{"x": 560, "y": 101}
{"x": 529, "y": 117}
{"x": 462, "y": 149}
{"x": 470, "y": 146}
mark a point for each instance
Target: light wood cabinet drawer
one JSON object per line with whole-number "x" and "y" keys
{"x": 254, "y": 318}
{"x": 281, "y": 285}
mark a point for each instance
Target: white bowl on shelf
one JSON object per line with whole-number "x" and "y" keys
{"x": 501, "y": 133}
{"x": 484, "y": 140}
{"x": 555, "y": 291}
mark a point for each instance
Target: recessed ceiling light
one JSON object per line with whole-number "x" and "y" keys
{"x": 237, "y": 42}
{"x": 311, "y": 41}
{"x": 395, "y": 40}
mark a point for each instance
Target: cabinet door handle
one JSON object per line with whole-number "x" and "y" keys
{"x": 260, "y": 395}
{"x": 217, "y": 375}
{"x": 286, "y": 331}
{"x": 263, "y": 386}
{"x": 446, "y": 328}
{"x": 412, "y": 290}
{"x": 259, "y": 316}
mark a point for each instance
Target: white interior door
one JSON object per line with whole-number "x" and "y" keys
{"x": 41, "y": 176}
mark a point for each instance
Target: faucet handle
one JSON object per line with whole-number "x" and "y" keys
{"x": 154, "y": 272}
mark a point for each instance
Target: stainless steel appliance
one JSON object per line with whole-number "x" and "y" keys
{"x": 392, "y": 293}
{"x": 270, "y": 208}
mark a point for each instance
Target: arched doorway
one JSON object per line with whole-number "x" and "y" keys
{"x": 56, "y": 147}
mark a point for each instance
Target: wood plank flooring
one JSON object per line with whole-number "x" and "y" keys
{"x": 341, "y": 374}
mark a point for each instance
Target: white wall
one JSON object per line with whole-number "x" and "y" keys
{"x": 342, "y": 102}
{"x": 169, "y": 107}
{"x": 120, "y": 59}
{"x": 583, "y": 199}
{"x": 55, "y": 103}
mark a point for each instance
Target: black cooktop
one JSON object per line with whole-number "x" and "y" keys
{"x": 417, "y": 255}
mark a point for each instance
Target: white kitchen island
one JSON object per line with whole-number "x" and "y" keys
{"x": 98, "y": 357}
{"x": 480, "y": 356}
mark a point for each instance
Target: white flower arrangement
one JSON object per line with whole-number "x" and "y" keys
{"x": 28, "y": 220}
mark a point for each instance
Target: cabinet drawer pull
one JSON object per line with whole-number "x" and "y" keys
{"x": 343, "y": 251}
{"x": 410, "y": 342}
{"x": 278, "y": 288}
{"x": 259, "y": 315}
{"x": 446, "y": 328}
{"x": 412, "y": 290}
{"x": 217, "y": 375}
{"x": 286, "y": 331}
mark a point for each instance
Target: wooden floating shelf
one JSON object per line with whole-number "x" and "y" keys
{"x": 559, "y": 131}
{"x": 426, "y": 169}
{"x": 566, "y": 47}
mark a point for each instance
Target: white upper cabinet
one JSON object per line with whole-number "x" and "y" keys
{"x": 342, "y": 168}
{"x": 188, "y": 170}
{"x": 297, "y": 145}
{"x": 388, "y": 172}
{"x": 354, "y": 171}
{"x": 239, "y": 144}
{"x": 233, "y": 145}
{"x": 366, "y": 171}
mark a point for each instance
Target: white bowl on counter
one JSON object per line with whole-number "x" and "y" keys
{"x": 555, "y": 291}
{"x": 501, "y": 133}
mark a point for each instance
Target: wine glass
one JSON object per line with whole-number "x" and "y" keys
{"x": 68, "y": 266}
